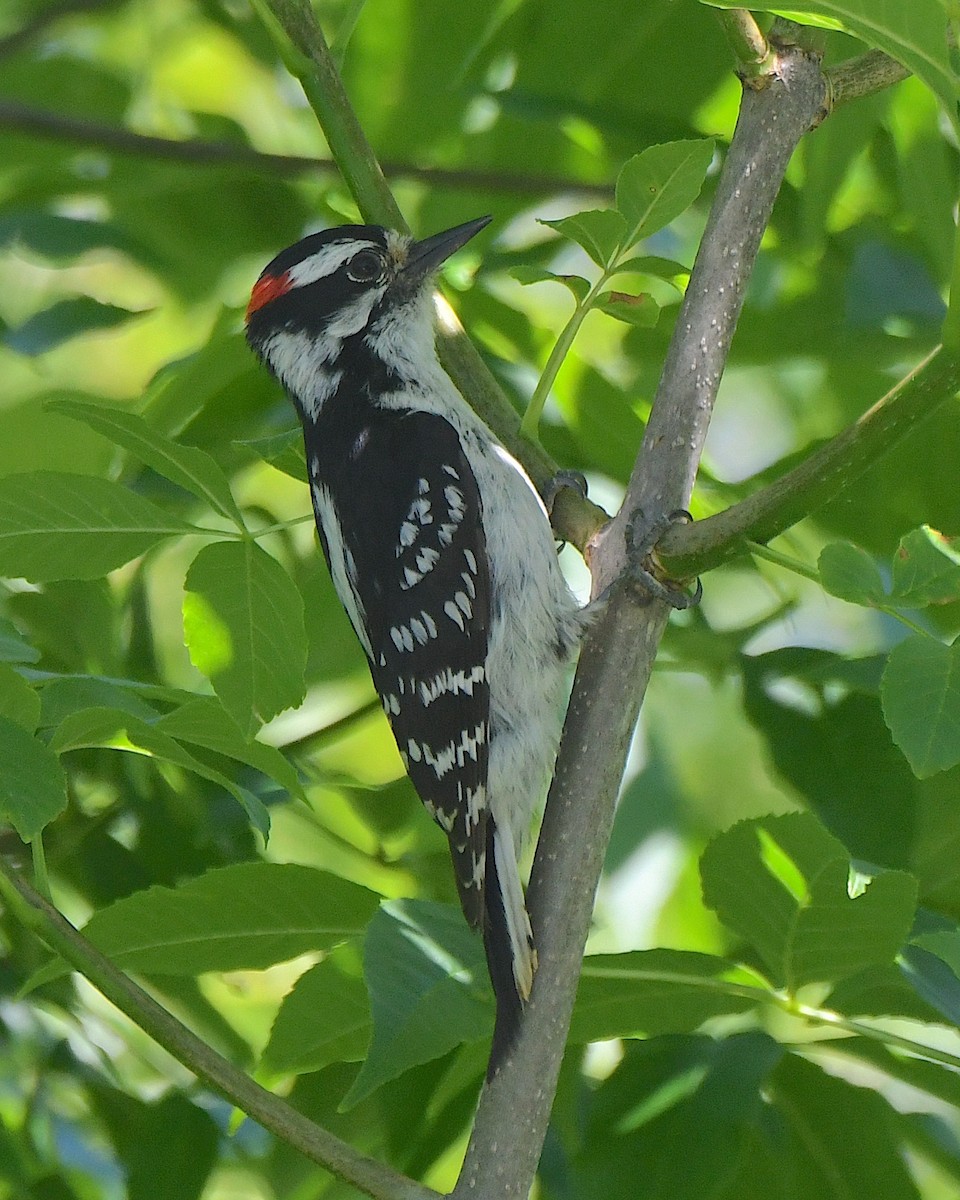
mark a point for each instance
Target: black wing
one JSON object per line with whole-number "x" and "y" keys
{"x": 417, "y": 562}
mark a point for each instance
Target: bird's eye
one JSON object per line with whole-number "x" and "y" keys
{"x": 365, "y": 267}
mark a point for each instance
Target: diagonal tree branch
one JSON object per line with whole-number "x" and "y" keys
{"x": 691, "y": 549}
{"x": 366, "y": 1174}
{"x": 617, "y": 658}
{"x": 18, "y": 117}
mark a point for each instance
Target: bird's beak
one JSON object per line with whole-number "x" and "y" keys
{"x": 424, "y": 257}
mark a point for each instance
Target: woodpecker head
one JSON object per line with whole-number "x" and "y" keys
{"x": 355, "y": 297}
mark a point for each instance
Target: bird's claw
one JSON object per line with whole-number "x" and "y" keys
{"x": 643, "y": 569}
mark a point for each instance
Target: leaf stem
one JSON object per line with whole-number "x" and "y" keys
{"x": 799, "y": 568}
{"x": 783, "y": 560}
{"x": 40, "y": 876}
{"x": 530, "y": 425}
{"x": 825, "y": 1016}
{"x": 366, "y": 1174}
{"x": 782, "y": 1000}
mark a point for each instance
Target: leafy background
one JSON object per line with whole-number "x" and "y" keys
{"x": 776, "y": 934}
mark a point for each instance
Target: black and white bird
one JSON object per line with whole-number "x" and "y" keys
{"x": 440, "y": 551}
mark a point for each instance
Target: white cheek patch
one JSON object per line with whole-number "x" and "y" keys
{"x": 354, "y": 317}
{"x": 326, "y": 261}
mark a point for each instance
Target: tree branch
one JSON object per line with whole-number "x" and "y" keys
{"x": 200, "y": 152}
{"x": 366, "y": 1174}
{"x": 618, "y": 654}
{"x": 691, "y": 549}
{"x": 757, "y": 60}
{"x": 862, "y": 76}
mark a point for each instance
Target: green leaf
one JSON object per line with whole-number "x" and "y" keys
{"x": 13, "y": 648}
{"x": 656, "y": 267}
{"x": 913, "y": 33}
{"x": 244, "y": 625}
{"x": 324, "y": 1019}
{"x": 168, "y": 1147}
{"x": 60, "y": 698}
{"x": 284, "y": 451}
{"x": 63, "y": 239}
{"x": 246, "y": 916}
{"x": 850, "y": 573}
{"x": 834, "y": 1139}
{"x": 674, "y": 1119}
{"x": 784, "y": 884}
{"x": 121, "y": 730}
{"x": 599, "y": 231}
{"x": 656, "y": 185}
{"x": 18, "y": 700}
{"x": 945, "y": 944}
{"x": 59, "y": 526}
{"x": 931, "y": 964}
{"x": 428, "y": 989}
{"x": 579, "y": 286}
{"x": 193, "y": 470}
{"x": 655, "y": 992}
{"x": 33, "y": 788}
{"x": 920, "y": 694}
{"x": 926, "y": 569}
{"x": 62, "y": 321}
{"x": 204, "y": 722}
{"x": 641, "y": 311}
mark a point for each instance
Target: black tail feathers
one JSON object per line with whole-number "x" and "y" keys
{"x": 497, "y": 945}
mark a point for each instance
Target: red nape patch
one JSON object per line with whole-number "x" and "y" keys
{"x": 267, "y": 288}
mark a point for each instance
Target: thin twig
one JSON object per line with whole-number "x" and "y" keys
{"x": 862, "y": 76}
{"x": 757, "y": 61}
{"x": 366, "y": 1174}
{"x": 199, "y": 152}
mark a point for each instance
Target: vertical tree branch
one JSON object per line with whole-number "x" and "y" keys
{"x": 619, "y": 651}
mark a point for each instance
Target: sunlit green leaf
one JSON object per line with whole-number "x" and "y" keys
{"x": 921, "y": 702}
{"x": 850, "y": 573}
{"x": 575, "y": 283}
{"x": 641, "y": 311}
{"x": 325, "y": 1018}
{"x": 243, "y": 621}
{"x": 244, "y": 916}
{"x": 33, "y": 788}
{"x": 784, "y": 884}
{"x": 654, "y": 992}
{"x": 57, "y": 526}
{"x": 121, "y": 730}
{"x": 426, "y": 977}
{"x": 18, "y": 700}
{"x": 205, "y": 722}
{"x": 283, "y": 451}
{"x": 926, "y": 569}
{"x": 599, "y": 231}
{"x": 185, "y": 466}
{"x": 657, "y": 184}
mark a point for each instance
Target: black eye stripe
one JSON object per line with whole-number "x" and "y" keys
{"x": 366, "y": 266}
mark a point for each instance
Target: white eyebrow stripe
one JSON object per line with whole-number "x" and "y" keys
{"x": 327, "y": 260}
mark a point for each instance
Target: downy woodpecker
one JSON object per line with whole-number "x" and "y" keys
{"x": 440, "y": 551}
